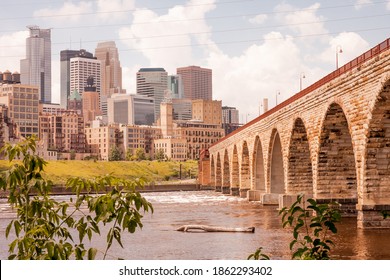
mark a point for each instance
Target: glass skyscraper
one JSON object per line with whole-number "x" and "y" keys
{"x": 35, "y": 69}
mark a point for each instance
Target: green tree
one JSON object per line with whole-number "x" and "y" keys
{"x": 160, "y": 155}
{"x": 140, "y": 154}
{"x": 129, "y": 155}
{"x": 312, "y": 228}
{"x": 46, "y": 228}
{"x": 72, "y": 154}
{"x": 115, "y": 154}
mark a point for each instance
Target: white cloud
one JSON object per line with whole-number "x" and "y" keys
{"x": 360, "y": 3}
{"x": 12, "y": 50}
{"x": 304, "y": 21}
{"x": 110, "y": 9}
{"x": 259, "y": 19}
{"x": 68, "y": 12}
{"x": 259, "y": 72}
{"x": 168, "y": 40}
{"x": 388, "y": 5}
{"x": 352, "y": 45}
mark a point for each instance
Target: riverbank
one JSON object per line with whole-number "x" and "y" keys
{"x": 153, "y": 172}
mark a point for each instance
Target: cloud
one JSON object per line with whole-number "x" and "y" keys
{"x": 12, "y": 50}
{"x": 170, "y": 40}
{"x": 388, "y": 5}
{"x": 261, "y": 71}
{"x": 360, "y": 3}
{"x": 105, "y": 9}
{"x": 304, "y": 21}
{"x": 259, "y": 19}
{"x": 68, "y": 12}
{"x": 352, "y": 45}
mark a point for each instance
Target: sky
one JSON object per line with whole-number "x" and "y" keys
{"x": 256, "y": 49}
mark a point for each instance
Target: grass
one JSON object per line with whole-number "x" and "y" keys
{"x": 151, "y": 171}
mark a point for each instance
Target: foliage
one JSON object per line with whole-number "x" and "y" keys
{"x": 115, "y": 154}
{"x": 72, "y": 154}
{"x": 160, "y": 155}
{"x": 129, "y": 155}
{"x": 310, "y": 232}
{"x": 46, "y": 228}
{"x": 258, "y": 255}
{"x": 139, "y": 154}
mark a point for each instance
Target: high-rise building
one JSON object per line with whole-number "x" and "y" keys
{"x": 230, "y": 115}
{"x": 207, "y": 111}
{"x": 36, "y": 67}
{"x": 82, "y": 68}
{"x": 107, "y": 53}
{"x": 182, "y": 109}
{"x": 130, "y": 109}
{"x": 197, "y": 82}
{"x": 175, "y": 86}
{"x": 66, "y": 55}
{"x": 23, "y": 104}
{"x": 153, "y": 82}
{"x": 90, "y": 101}
{"x": 230, "y": 119}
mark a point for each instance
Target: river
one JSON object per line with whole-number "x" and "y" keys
{"x": 158, "y": 239}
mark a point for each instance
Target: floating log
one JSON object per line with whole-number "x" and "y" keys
{"x": 214, "y": 229}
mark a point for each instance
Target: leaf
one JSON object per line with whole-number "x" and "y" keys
{"x": 92, "y": 253}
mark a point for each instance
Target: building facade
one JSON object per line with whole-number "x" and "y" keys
{"x": 65, "y": 57}
{"x": 35, "y": 69}
{"x": 197, "y": 82}
{"x": 207, "y": 111}
{"x": 23, "y": 106}
{"x": 82, "y": 68}
{"x": 140, "y": 137}
{"x": 153, "y": 82}
{"x": 64, "y": 132}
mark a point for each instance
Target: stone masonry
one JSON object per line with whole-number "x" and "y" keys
{"x": 331, "y": 141}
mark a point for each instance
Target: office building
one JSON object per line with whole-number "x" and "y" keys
{"x": 130, "y": 109}
{"x": 197, "y": 82}
{"x": 182, "y": 109}
{"x": 175, "y": 86}
{"x": 65, "y": 57}
{"x": 23, "y": 106}
{"x": 82, "y": 68}
{"x": 111, "y": 82}
{"x": 207, "y": 111}
{"x": 90, "y": 101}
{"x": 139, "y": 137}
{"x": 35, "y": 69}
{"x": 153, "y": 82}
{"x": 230, "y": 119}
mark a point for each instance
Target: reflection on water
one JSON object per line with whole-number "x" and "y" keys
{"x": 159, "y": 240}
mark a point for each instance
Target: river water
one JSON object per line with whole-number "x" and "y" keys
{"x": 159, "y": 240}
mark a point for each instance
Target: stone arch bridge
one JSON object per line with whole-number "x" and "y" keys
{"x": 330, "y": 141}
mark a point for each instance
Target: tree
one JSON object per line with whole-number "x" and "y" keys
{"x": 46, "y": 228}
{"x": 115, "y": 154}
{"x": 312, "y": 226}
{"x": 129, "y": 155}
{"x": 140, "y": 154}
{"x": 160, "y": 155}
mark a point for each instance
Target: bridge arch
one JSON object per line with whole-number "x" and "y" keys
{"x": 212, "y": 170}
{"x": 226, "y": 173}
{"x": 258, "y": 166}
{"x": 276, "y": 168}
{"x": 245, "y": 168}
{"x": 376, "y": 188}
{"x": 336, "y": 177}
{"x": 218, "y": 174}
{"x": 235, "y": 169}
{"x": 300, "y": 171}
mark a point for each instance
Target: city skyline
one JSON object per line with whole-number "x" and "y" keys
{"x": 254, "y": 49}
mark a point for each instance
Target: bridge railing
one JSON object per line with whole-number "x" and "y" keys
{"x": 375, "y": 51}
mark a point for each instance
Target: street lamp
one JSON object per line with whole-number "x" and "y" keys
{"x": 338, "y": 50}
{"x": 300, "y": 80}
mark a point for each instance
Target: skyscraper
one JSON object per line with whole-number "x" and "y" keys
{"x": 36, "y": 67}
{"x": 66, "y": 55}
{"x": 107, "y": 53}
{"x": 153, "y": 82}
{"x": 81, "y": 68}
{"x": 197, "y": 82}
